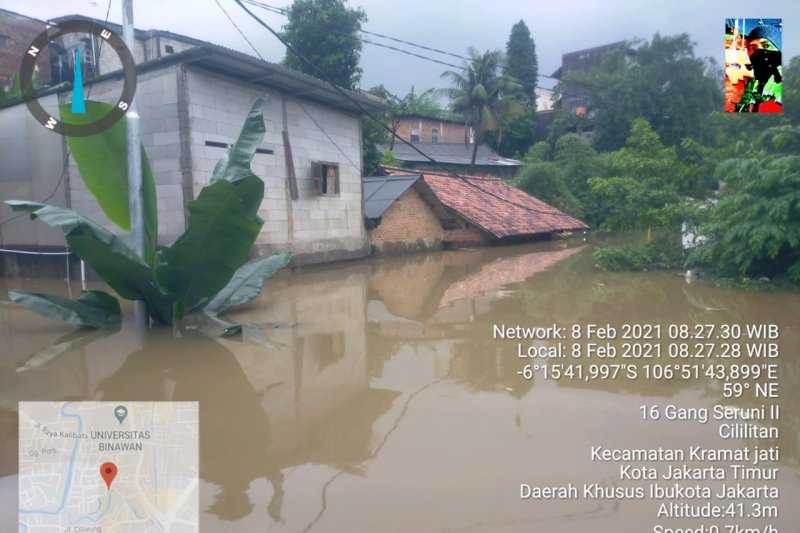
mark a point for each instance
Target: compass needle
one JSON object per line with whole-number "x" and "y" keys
{"x": 78, "y": 102}
{"x": 85, "y": 122}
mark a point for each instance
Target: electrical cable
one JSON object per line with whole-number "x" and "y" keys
{"x": 321, "y": 75}
{"x": 317, "y": 124}
{"x": 406, "y": 52}
{"x": 284, "y": 12}
{"x": 378, "y": 121}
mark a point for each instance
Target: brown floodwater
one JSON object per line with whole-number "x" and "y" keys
{"x": 369, "y": 396}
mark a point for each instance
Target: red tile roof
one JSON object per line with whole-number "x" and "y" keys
{"x": 496, "y": 207}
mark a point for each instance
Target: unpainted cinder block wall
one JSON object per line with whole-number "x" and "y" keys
{"x": 315, "y": 228}
{"x": 408, "y": 224}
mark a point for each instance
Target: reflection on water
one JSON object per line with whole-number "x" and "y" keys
{"x": 374, "y": 400}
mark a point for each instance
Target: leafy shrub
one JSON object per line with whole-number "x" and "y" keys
{"x": 754, "y": 228}
{"x": 661, "y": 254}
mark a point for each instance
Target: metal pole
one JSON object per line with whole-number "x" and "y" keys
{"x": 134, "y": 151}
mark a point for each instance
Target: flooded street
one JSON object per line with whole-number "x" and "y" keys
{"x": 369, "y": 396}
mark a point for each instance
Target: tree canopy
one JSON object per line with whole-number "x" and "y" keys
{"x": 325, "y": 32}
{"x": 661, "y": 81}
{"x": 482, "y": 94}
{"x": 521, "y": 63}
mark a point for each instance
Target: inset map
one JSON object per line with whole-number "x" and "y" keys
{"x": 103, "y": 466}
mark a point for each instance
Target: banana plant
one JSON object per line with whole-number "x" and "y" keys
{"x": 206, "y": 270}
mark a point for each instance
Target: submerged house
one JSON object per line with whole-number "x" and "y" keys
{"x": 193, "y": 98}
{"x": 408, "y": 211}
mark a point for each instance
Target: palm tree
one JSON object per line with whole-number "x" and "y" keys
{"x": 483, "y": 95}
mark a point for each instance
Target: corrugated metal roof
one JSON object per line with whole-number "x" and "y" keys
{"x": 381, "y": 191}
{"x": 244, "y": 67}
{"x": 452, "y": 153}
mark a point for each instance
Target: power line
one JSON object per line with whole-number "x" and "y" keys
{"x": 380, "y": 122}
{"x": 422, "y": 46}
{"x": 241, "y": 32}
{"x": 285, "y": 12}
{"x": 238, "y": 29}
{"x": 420, "y": 56}
{"x": 320, "y": 74}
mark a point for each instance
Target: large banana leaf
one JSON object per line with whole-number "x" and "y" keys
{"x": 103, "y": 164}
{"x": 216, "y": 243}
{"x": 246, "y": 284}
{"x": 72, "y": 342}
{"x": 236, "y": 164}
{"x": 223, "y": 225}
{"x": 108, "y": 254}
{"x": 93, "y": 309}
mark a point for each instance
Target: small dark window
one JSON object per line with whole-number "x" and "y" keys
{"x": 435, "y": 135}
{"x": 169, "y": 49}
{"x": 5, "y": 40}
{"x": 326, "y": 178}
{"x": 450, "y": 223}
{"x": 414, "y": 135}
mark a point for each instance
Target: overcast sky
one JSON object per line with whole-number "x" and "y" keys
{"x": 453, "y": 25}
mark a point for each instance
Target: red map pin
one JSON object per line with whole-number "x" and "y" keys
{"x": 108, "y": 471}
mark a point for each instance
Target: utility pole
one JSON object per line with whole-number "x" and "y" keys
{"x": 134, "y": 153}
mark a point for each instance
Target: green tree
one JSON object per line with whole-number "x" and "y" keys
{"x": 661, "y": 81}
{"x": 641, "y": 190}
{"x": 424, "y": 103}
{"x": 754, "y": 228}
{"x": 483, "y": 95}
{"x": 791, "y": 91}
{"x": 325, "y": 32}
{"x": 521, "y": 63}
{"x": 578, "y": 162}
{"x": 545, "y": 181}
{"x": 373, "y": 134}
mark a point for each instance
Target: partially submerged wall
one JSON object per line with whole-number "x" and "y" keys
{"x": 407, "y": 225}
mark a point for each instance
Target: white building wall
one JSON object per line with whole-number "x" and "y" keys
{"x": 31, "y": 163}
{"x": 315, "y": 228}
{"x": 157, "y": 97}
{"x": 313, "y": 224}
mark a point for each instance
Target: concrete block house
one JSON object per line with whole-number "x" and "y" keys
{"x": 192, "y": 103}
{"x": 408, "y": 212}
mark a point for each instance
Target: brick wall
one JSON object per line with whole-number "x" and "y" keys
{"x": 468, "y": 235}
{"x": 409, "y": 222}
{"x": 449, "y": 132}
{"x": 16, "y": 33}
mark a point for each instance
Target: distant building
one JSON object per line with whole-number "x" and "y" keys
{"x": 408, "y": 211}
{"x": 574, "y": 98}
{"x": 17, "y": 31}
{"x": 424, "y": 129}
{"x": 450, "y": 143}
{"x": 545, "y": 99}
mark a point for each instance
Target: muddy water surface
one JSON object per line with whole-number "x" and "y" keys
{"x": 372, "y": 399}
